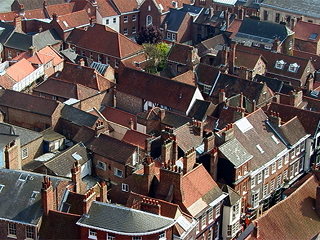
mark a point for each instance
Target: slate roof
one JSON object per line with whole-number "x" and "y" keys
{"x": 233, "y": 196}
{"x": 111, "y": 148}
{"x": 303, "y": 7}
{"x": 62, "y": 163}
{"x": 124, "y": 221}
{"x": 26, "y": 136}
{"x": 261, "y": 32}
{"x": 157, "y": 89}
{"x": 5, "y": 31}
{"x": 200, "y": 109}
{"x": 273, "y": 83}
{"x": 206, "y": 74}
{"x": 20, "y": 207}
{"x": 294, "y": 217}
{"x": 309, "y": 119}
{"x": 6, "y": 139}
{"x": 235, "y": 152}
{"x": 174, "y": 19}
{"x": 91, "y": 39}
{"x": 28, "y": 103}
{"x": 77, "y": 116}
{"x": 23, "y": 42}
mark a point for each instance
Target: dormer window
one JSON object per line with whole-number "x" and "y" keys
{"x": 279, "y": 64}
{"x": 293, "y": 67}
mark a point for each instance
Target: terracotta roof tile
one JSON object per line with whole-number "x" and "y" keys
{"x": 28, "y": 102}
{"x": 151, "y": 87}
{"x": 105, "y": 8}
{"x": 180, "y": 53}
{"x": 118, "y": 116}
{"x": 61, "y": 9}
{"x": 73, "y": 20}
{"x": 20, "y": 70}
{"x": 315, "y": 59}
{"x": 281, "y": 222}
{"x": 187, "y": 78}
{"x": 303, "y": 31}
{"x": 91, "y": 39}
{"x": 167, "y": 4}
{"x": 136, "y": 138}
{"x": 125, "y": 6}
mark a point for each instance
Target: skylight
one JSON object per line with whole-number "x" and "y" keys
{"x": 65, "y": 23}
{"x": 76, "y": 156}
{"x": 34, "y": 194}
{"x": 260, "y": 148}
{"x": 244, "y": 125}
{"x": 23, "y": 177}
{"x": 313, "y": 36}
{"x": 275, "y": 139}
{"x": 1, "y": 187}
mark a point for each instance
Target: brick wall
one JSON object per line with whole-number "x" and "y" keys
{"x": 154, "y": 13}
{"x": 21, "y": 231}
{"x": 35, "y": 149}
{"x": 129, "y": 103}
{"x": 129, "y": 24}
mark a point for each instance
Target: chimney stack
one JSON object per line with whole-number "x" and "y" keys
{"x": 103, "y": 192}
{"x": 18, "y": 24}
{"x": 21, "y": 10}
{"x": 55, "y": 17}
{"x": 76, "y": 176}
{"x": 232, "y": 57}
{"x": 150, "y": 205}
{"x": 189, "y": 160}
{"x": 274, "y": 119}
{"x": 47, "y": 195}
{"x": 222, "y": 96}
{"x": 238, "y": 114}
{"x": 256, "y": 233}
{"x": 208, "y": 141}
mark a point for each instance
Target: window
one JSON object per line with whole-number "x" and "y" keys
{"x": 272, "y": 185}
{"x": 107, "y": 60}
{"x": 101, "y": 165}
{"x": 125, "y": 19}
{"x": 217, "y": 207}
{"x": 292, "y": 155}
{"x": 92, "y": 234}
{"x": 110, "y": 237}
{"x": 203, "y": 221}
{"x": 173, "y": 36}
{"x": 291, "y": 171}
{"x": 125, "y": 187}
{"x": 232, "y": 229}
{"x": 116, "y": 64}
{"x": 255, "y": 199}
{"x": 277, "y": 17}
{"x": 280, "y": 163}
{"x": 293, "y": 67}
{"x": 162, "y": 235}
{"x": 117, "y": 172}
{"x": 125, "y": 31}
{"x": 83, "y": 53}
{"x": 1, "y": 187}
{"x": 12, "y": 229}
{"x": 275, "y": 139}
{"x": 253, "y": 181}
{"x": 259, "y": 177}
{"x": 136, "y": 238}
{"x": 265, "y": 15}
{"x": 197, "y": 227}
{"x": 210, "y": 215}
{"x": 286, "y": 158}
{"x": 134, "y": 30}
{"x": 279, "y": 182}
{"x": 91, "y": 55}
{"x": 134, "y": 17}
{"x": 266, "y": 172}
{"x": 273, "y": 167}
{"x": 54, "y": 97}
{"x": 279, "y": 64}
{"x": 148, "y": 20}
{"x": 107, "y": 21}
{"x": 235, "y": 211}
{"x": 265, "y": 190}
{"x": 313, "y": 36}
{"x": 206, "y": 89}
{"x": 260, "y": 148}
{"x": 99, "y": 58}
{"x": 302, "y": 146}
{"x": 149, "y": 8}
{"x": 216, "y": 231}
{"x": 29, "y": 232}
{"x": 301, "y": 164}
{"x": 114, "y": 20}
{"x": 297, "y": 149}
{"x": 34, "y": 194}
{"x": 285, "y": 174}
{"x": 24, "y": 153}
{"x": 169, "y": 35}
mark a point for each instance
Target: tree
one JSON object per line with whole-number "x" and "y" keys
{"x": 150, "y": 34}
{"x": 156, "y": 55}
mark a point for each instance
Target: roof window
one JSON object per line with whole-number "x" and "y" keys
{"x": 279, "y": 64}
{"x": 293, "y": 67}
{"x": 313, "y": 36}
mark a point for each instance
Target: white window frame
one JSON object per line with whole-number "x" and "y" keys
{"x": 279, "y": 181}
{"x": 114, "y": 20}
{"x": 210, "y": 215}
{"x": 25, "y": 153}
{"x": 134, "y": 30}
{"x": 265, "y": 190}
{"x": 272, "y": 185}
{"x": 136, "y": 238}
{"x": 116, "y": 171}
{"x": 253, "y": 181}
{"x": 217, "y": 208}
{"x": 266, "y": 172}
{"x": 162, "y": 236}
{"x": 101, "y": 165}
{"x": 259, "y": 177}
{"x": 125, "y": 19}
{"x": 125, "y": 187}
{"x": 29, "y": 232}
{"x": 110, "y": 237}
{"x": 279, "y": 163}
{"x": 203, "y": 221}
{"x": 125, "y": 31}
{"x": 134, "y": 17}
{"x": 286, "y": 158}
{"x": 255, "y": 198}
{"x": 279, "y": 64}
{"x": 12, "y": 229}
{"x": 273, "y": 167}
{"x": 92, "y": 234}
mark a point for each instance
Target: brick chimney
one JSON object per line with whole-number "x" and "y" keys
{"x": 171, "y": 180}
{"x": 238, "y": 114}
{"x": 17, "y": 23}
{"x": 189, "y": 160}
{"x": 169, "y": 151}
{"x": 21, "y": 9}
{"x": 243, "y": 73}
{"x": 149, "y": 166}
{"x": 148, "y": 145}
{"x": 45, "y": 4}
{"x": 55, "y": 17}
{"x": 214, "y": 164}
{"x": 131, "y": 124}
{"x": 296, "y": 98}
{"x": 309, "y": 84}
{"x": 197, "y": 127}
{"x": 81, "y": 62}
{"x": 208, "y": 141}
{"x": 46, "y": 195}
{"x": 222, "y": 96}
{"x": 150, "y": 205}
{"x": 76, "y": 176}
{"x": 224, "y": 56}
{"x": 162, "y": 113}
{"x": 232, "y": 57}
{"x": 32, "y": 50}
{"x": 228, "y": 133}
{"x": 274, "y": 119}
{"x": 241, "y": 14}
{"x": 88, "y": 198}
{"x": 103, "y": 192}
{"x": 256, "y": 232}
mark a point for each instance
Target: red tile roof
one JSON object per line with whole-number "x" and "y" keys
{"x": 292, "y": 218}
{"x": 157, "y": 89}
{"x": 180, "y": 53}
{"x": 315, "y": 59}
{"x": 105, "y": 8}
{"x": 61, "y": 9}
{"x": 73, "y": 20}
{"x": 20, "y": 70}
{"x": 167, "y": 4}
{"x": 303, "y": 31}
{"x": 92, "y": 38}
{"x": 125, "y": 6}
{"x": 28, "y": 103}
{"x": 187, "y": 78}
{"x": 136, "y": 138}
{"x": 119, "y": 116}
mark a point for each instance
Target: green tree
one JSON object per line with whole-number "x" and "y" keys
{"x": 156, "y": 56}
